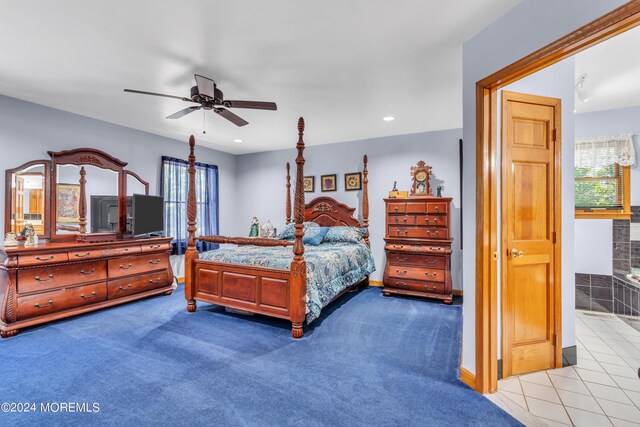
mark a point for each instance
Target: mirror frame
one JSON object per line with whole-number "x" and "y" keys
{"x": 8, "y": 175}
{"x": 87, "y": 157}
{"x": 136, "y": 176}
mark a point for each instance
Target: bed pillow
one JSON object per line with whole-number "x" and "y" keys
{"x": 345, "y": 234}
{"x": 314, "y": 235}
{"x": 287, "y": 233}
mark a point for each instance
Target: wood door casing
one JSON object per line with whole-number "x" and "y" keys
{"x": 531, "y": 216}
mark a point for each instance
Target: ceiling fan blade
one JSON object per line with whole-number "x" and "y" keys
{"x": 237, "y": 120}
{"x": 158, "y": 94}
{"x": 205, "y": 86}
{"x": 251, "y": 104}
{"x": 183, "y": 112}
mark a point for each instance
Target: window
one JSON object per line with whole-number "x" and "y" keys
{"x": 602, "y": 177}
{"x": 175, "y": 187}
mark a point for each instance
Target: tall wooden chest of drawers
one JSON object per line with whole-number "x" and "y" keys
{"x": 418, "y": 247}
{"x": 54, "y": 280}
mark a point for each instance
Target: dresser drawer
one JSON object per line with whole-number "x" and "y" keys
{"x": 437, "y": 207}
{"x": 45, "y": 278}
{"x": 132, "y": 285}
{"x": 416, "y": 207}
{"x": 412, "y": 285}
{"x": 432, "y": 220}
{"x": 156, "y": 247}
{"x": 402, "y": 219}
{"x": 396, "y": 208}
{"x": 126, "y": 250}
{"x": 63, "y": 299}
{"x": 419, "y": 232}
{"x": 417, "y": 260}
{"x": 128, "y": 266}
{"x": 416, "y": 273}
{"x": 43, "y": 258}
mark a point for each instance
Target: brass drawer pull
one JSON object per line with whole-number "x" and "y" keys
{"x": 44, "y": 306}
{"x": 432, "y": 274}
{"x": 126, "y": 249}
{"x": 403, "y": 272}
{"x": 429, "y": 261}
{"x": 401, "y": 259}
{"x": 127, "y": 267}
{"x": 158, "y": 280}
{"x": 39, "y": 279}
{"x": 432, "y": 288}
{"x": 437, "y": 209}
{"x": 82, "y": 256}
{"x": 156, "y": 262}
{"x": 44, "y": 259}
{"x": 88, "y": 273}
{"x": 396, "y": 209}
{"x": 401, "y": 284}
{"x": 396, "y": 246}
{"x": 93, "y": 294}
{"x": 154, "y": 246}
{"x": 125, "y": 288}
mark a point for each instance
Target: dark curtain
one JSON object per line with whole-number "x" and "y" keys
{"x": 175, "y": 188}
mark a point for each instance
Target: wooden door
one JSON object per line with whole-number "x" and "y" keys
{"x": 531, "y": 214}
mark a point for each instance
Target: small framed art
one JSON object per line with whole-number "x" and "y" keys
{"x": 328, "y": 182}
{"x": 308, "y": 183}
{"x": 353, "y": 181}
{"x": 68, "y": 203}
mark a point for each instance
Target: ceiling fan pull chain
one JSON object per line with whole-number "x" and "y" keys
{"x": 203, "y": 123}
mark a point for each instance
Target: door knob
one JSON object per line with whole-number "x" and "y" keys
{"x": 516, "y": 253}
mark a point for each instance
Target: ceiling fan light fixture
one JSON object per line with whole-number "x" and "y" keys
{"x": 237, "y": 140}
{"x": 388, "y": 118}
{"x": 582, "y": 93}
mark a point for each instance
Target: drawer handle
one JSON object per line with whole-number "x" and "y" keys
{"x": 83, "y": 296}
{"x": 88, "y": 273}
{"x": 403, "y": 272}
{"x": 39, "y": 279}
{"x": 127, "y": 267}
{"x": 82, "y": 256}
{"x": 401, "y": 259}
{"x": 395, "y": 209}
{"x": 44, "y": 306}
{"x": 401, "y": 284}
{"x": 437, "y": 209}
{"x": 426, "y": 273}
{"x": 431, "y": 288}
{"x": 154, "y": 246}
{"x": 156, "y": 262}
{"x": 158, "y": 280}
{"x": 125, "y": 288}
{"x": 428, "y": 261}
{"x": 44, "y": 259}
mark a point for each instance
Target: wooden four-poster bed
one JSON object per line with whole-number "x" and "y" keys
{"x": 294, "y": 290}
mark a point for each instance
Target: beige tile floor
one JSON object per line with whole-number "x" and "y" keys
{"x": 603, "y": 389}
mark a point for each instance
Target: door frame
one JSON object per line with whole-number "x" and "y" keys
{"x": 607, "y": 26}
{"x": 557, "y": 222}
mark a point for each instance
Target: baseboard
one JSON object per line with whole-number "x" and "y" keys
{"x": 457, "y": 292}
{"x": 468, "y": 378}
{"x": 377, "y": 283}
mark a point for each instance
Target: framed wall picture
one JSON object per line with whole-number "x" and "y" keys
{"x": 68, "y": 203}
{"x": 353, "y": 181}
{"x": 308, "y": 183}
{"x": 328, "y": 182}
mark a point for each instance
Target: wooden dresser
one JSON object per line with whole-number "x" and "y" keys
{"x": 418, "y": 247}
{"x": 54, "y": 280}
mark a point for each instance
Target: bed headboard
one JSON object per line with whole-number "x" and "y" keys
{"x": 328, "y": 212}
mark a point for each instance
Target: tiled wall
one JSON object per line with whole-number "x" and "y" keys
{"x": 594, "y": 292}
{"x": 626, "y": 297}
{"x": 621, "y": 247}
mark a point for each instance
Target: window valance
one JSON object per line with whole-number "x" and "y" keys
{"x": 602, "y": 151}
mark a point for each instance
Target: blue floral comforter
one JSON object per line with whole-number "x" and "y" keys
{"x": 331, "y": 267}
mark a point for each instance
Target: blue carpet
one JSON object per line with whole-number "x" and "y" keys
{"x": 368, "y": 360}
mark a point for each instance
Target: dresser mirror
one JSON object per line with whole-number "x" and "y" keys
{"x": 27, "y": 198}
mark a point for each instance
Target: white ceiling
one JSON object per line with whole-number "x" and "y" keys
{"x": 613, "y": 73}
{"x": 342, "y": 64}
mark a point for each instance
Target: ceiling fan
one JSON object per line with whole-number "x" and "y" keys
{"x": 207, "y": 94}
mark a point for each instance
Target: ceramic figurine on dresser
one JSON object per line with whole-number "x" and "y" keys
{"x": 418, "y": 242}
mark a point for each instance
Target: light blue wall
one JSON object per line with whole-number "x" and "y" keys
{"x": 261, "y": 180}
{"x": 28, "y": 131}
{"x": 594, "y": 239}
{"x": 528, "y": 26}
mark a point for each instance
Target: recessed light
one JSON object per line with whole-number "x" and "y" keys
{"x": 388, "y": 118}
{"x": 237, "y": 140}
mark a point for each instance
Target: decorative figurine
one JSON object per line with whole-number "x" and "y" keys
{"x": 267, "y": 228}
{"x": 11, "y": 239}
{"x": 255, "y": 225}
{"x": 29, "y": 234}
{"x": 439, "y": 190}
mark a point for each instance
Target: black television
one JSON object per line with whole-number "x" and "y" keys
{"x": 147, "y": 215}
{"x": 104, "y": 214}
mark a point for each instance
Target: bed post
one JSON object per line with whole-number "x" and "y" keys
{"x": 82, "y": 202}
{"x": 298, "y": 274}
{"x": 288, "y": 209}
{"x": 192, "y": 252}
{"x": 365, "y": 199}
